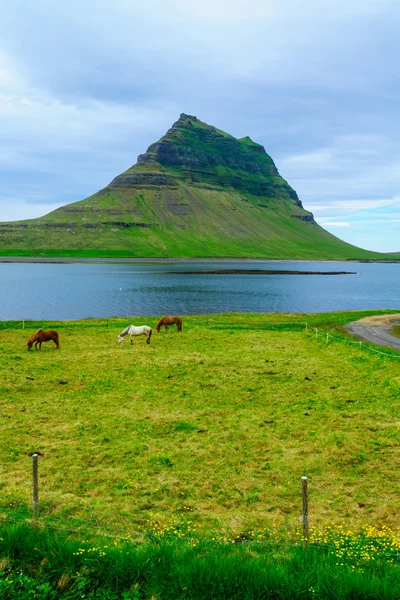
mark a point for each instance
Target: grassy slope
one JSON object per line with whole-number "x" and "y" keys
{"x": 215, "y": 425}
{"x": 205, "y": 230}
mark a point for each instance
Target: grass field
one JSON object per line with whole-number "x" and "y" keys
{"x": 172, "y": 470}
{"x": 209, "y": 430}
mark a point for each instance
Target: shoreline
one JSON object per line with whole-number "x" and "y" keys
{"x": 99, "y": 260}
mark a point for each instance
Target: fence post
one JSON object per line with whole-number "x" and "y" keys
{"x": 304, "y": 490}
{"x": 23, "y": 324}
{"x": 35, "y": 486}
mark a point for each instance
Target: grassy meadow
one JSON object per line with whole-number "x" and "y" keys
{"x": 171, "y": 470}
{"x": 208, "y": 431}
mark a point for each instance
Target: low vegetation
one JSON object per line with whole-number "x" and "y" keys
{"x": 43, "y": 564}
{"x": 395, "y": 331}
{"x": 191, "y": 450}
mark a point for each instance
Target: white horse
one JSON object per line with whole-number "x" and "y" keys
{"x": 131, "y": 330}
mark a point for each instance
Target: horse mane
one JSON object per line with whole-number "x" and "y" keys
{"x": 34, "y": 336}
{"x": 125, "y": 331}
{"x": 160, "y": 322}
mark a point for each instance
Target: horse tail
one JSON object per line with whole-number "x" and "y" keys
{"x": 150, "y": 332}
{"x": 180, "y": 325}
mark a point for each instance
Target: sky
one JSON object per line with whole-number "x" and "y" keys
{"x": 86, "y": 86}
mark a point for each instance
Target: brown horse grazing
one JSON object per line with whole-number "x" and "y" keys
{"x": 169, "y": 321}
{"x": 43, "y": 336}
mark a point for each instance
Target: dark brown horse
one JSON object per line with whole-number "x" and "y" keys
{"x": 169, "y": 321}
{"x": 43, "y": 336}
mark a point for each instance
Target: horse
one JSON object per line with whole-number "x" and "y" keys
{"x": 132, "y": 331}
{"x": 169, "y": 321}
{"x": 43, "y": 336}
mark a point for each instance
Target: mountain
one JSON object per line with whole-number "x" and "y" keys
{"x": 197, "y": 192}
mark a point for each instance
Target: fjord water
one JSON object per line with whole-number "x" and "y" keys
{"x": 80, "y": 290}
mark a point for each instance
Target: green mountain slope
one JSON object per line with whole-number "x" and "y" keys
{"x": 197, "y": 192}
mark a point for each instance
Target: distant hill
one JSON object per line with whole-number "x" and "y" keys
{"x": 197, "y": 192}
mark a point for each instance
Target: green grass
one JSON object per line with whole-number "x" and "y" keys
{"x": 215, "y": 425}
{"x": 40, "y": 564}
{"x": 218, "y": 223}
{"x": 172, "y": 470}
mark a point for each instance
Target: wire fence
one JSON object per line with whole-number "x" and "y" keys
{"x": 213, "y": 323}
{"x": 327, "y": 337}
{"x": 276, "y": 537}
{"x": 133, "y": 525}
{"x": 208, "y": 321}
{"x": 117, "y": 321}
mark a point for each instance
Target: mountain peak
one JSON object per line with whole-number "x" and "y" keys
{"x": 202, "y": 155}
{"x": 185, "y": 117}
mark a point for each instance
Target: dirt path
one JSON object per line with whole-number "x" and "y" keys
{"x": 376, "y": 329}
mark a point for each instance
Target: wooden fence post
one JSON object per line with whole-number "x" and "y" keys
{"x": 304, "y": 489}
{"x": 35, "y": 486}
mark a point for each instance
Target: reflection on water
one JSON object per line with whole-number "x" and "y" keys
{"x": 76, "y": 291}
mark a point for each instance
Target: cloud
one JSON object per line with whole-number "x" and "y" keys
{"x": 13, "y": 211}
{"x": 55, "y": 124}
{"x": 328, "y": 224}
{"x": 357, "y": 205}
{"x": 157, "y": 42}
{"x": 8, "y": 77}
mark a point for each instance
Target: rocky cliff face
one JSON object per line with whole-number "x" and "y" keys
{"x": 201, "y": 155}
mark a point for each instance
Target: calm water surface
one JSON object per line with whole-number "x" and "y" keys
{"x": 80, "y": 290}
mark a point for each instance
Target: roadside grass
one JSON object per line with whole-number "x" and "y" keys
{"x": 395, "y": 331}
{"x": 207, "y": 432}
{"x": 40, "y": 564}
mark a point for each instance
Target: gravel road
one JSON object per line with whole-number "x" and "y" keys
{"x": 376, "y": 329}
